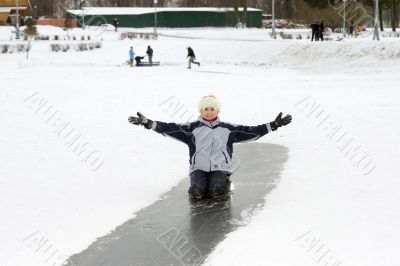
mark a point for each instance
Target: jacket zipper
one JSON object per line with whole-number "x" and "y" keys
{"x": 194, "y": 158}
{"x": 226, "y": 159}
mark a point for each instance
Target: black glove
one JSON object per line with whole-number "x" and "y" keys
{"x": 279, "y": 121}
{"x": 141, "y": 120}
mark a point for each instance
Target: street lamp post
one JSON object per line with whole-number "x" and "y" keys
{"x": 17, "y": 22}
{"x": 344, "y": 19}
{"x": 155, "y": 17}
{"x": 376, "y": 21}
{"x": 273, "y": 19}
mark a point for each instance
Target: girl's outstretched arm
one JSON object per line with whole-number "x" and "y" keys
{"x": 240, "y": 133}
{"x": 181, "y": 132}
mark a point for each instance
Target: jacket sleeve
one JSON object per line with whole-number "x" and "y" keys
{"x": 181, "y": 132}
{"x": 240, "y": 133}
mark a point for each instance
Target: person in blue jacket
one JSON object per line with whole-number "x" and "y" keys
{"x": 210, "y": 143}
{"x": 131, "y": 56}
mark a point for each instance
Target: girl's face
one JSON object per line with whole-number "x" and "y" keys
{"x": 209, "y": 113}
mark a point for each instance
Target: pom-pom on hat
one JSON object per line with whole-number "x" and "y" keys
{"x": 209, "y": 101}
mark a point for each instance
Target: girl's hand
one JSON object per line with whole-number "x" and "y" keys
{"x": 279, "y": 121}
{"x": 141, "y": 120}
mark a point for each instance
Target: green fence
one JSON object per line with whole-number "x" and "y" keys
{"x": 175, "y": 19}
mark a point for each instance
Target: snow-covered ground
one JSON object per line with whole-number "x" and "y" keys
{"x": 335, "y": 202}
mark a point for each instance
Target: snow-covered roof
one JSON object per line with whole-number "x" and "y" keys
{"x": 9, "y": 8}
{"x": 146, "y": 10}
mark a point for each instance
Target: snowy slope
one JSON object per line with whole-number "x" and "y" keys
{"x": 49, "y": 195}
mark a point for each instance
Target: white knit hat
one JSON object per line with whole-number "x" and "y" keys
{"x": 209, "y": 101}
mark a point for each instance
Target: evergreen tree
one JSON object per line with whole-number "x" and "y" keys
{"x": 30, "y": 30}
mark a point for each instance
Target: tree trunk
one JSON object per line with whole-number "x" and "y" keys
{"x": 393, "y": 15}
{"x": 244, "y": 14}
{"x": 289, "y": 9}
{"x": 381, "y": 14}
{"x": 236, "y": 7}
{"x": 396, "y": 13}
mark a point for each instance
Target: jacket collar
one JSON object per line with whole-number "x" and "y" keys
{"x": 209, "y": 123}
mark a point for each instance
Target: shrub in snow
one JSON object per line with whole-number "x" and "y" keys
{"x": 55, "y": 47}
{"x": 19, "y": 48}
{"x": 59, "y": 47}
{"x": 42, "y": 38}
{"x": 30, "y": 29}
{"x": 4, "y": 48}
{"x": 65, "y": 47}
{"x": 286, "y": 36}
{"x": 134, "y": 35}
{"x": 80, "y": 47}
{"x": 83, "y": 46}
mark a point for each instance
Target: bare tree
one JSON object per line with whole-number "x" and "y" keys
{"x": 395, "y": 15}
{"x": 241, "y": 17}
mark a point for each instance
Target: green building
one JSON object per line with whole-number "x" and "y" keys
{"x": 166, "y": 17}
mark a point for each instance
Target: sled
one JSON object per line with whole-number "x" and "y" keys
{"x": 147, "y": 64}
{"x": 143, "y": 64}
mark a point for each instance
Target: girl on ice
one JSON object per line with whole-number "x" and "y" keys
{"x": 210, "y": 144}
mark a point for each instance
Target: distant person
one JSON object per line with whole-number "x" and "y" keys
{"x": 131, "y": 56}
{"x": 321, "y": 30}
{"x": 116, "y": 24}
{"x": 352, "y": 28}
{"x": 149, "y": 53}
{"x": 315, "y": 27}
{"x": 327, "y": 31}
{"x": 312, "y": 31}
{"x": 315, "y": 31}
{"x": 138, "y": 60}
{"x": 192, "y": 58}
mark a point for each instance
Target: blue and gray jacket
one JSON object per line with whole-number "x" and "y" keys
{"x": 210, "y": 143}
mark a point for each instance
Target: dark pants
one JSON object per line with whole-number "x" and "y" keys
{"x": 191, "y": 60}
{"x": 315, "y": 35}
{"x": 204, "y": 184}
